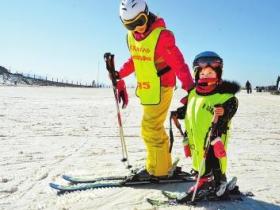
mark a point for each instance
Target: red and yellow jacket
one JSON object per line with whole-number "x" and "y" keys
{"x": 166, "y": 54}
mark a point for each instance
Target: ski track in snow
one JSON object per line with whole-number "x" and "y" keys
{"x": 46, "y": 132}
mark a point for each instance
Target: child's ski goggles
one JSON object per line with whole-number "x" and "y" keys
{"x": 140, "y": 20}
{"x": 210, "y": 61}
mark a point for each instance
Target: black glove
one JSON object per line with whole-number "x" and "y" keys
{"x": 181, "y": 112}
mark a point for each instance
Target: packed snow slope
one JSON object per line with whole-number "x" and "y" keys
{"x": 46, "y": 132}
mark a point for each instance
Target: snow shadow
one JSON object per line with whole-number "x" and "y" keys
{"x": 247, "y": 203}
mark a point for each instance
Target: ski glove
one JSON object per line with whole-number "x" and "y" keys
{"x": 184, "y": 100}
{"x": 187, "y": 149}
{"x": 122, "y": 93}
{"x": 219, "y": 148}
{"x": 181, "y": 111}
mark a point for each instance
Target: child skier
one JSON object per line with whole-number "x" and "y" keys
{"x": 209, "y": 109}
{"x": 156, "y": 61}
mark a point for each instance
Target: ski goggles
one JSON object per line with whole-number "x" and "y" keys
{"x": 140, "y": 20}
{"x": 210, "y": 61}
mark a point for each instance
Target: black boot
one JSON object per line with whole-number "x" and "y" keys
{"x": 140, "y": 175}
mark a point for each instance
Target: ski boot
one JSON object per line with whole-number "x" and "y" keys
{"x": 225, "y": 186}
{"x": 140, "y": 175}
{"x": 205, "y": 185}
{"x": 194, "y": 173}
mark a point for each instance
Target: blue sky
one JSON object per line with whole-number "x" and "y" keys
{"x": 67, "y": 38}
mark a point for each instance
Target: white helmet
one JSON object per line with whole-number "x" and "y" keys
{"x": 129, "y": 9}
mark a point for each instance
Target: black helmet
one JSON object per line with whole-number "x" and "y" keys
{"x": 208, "y": 58}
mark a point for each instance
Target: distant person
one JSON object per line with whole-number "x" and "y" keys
{"x": 248, "y": 87}
{"x": 209, "y": 110}
{"x": 156, "y": 61}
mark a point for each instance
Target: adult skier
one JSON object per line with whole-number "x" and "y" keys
{"x": 156, "y": 61}
{"x": 209, "y": 110}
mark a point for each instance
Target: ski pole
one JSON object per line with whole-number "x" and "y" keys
{"x": 171, "y": 137}
{"x": 109, "y": 60}
{"x": 207, "y": 146}
{"x": 174, "y": 117}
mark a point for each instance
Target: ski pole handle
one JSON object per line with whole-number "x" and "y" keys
{"x": 109, "y": 60}
{"x": 110, "y": 66}
{"x": 216, "y": 117}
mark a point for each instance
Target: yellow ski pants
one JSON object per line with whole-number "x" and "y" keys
{"x": 158, "y": 160}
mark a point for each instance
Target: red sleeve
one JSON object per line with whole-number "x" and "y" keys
{"x": 126, "y": 69}
{"x": 174, "y": 58}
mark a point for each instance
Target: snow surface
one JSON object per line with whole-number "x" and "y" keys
{"x": 47, "y": 131}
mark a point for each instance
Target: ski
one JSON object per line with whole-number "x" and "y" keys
{"x": 77, "y": 180}
{"x": 180, "y": 199}
{"x": 80, "y": 187}
{"x": 123, "y": 183}
{"x": 158, "y": 202}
